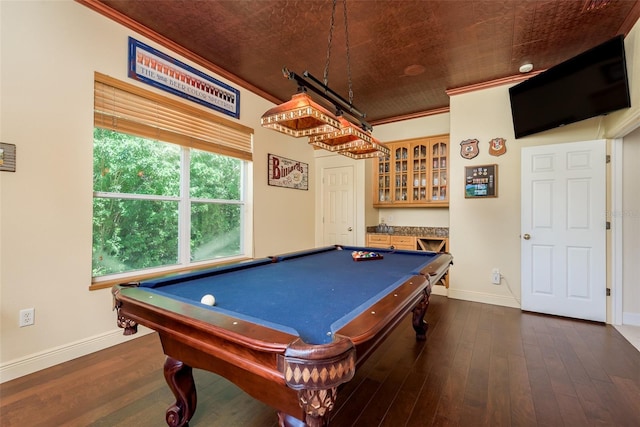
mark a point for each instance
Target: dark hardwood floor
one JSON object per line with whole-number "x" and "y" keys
{"x": 481, "y": 365}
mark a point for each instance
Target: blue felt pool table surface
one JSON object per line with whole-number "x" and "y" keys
{"x": 310, "y": 294}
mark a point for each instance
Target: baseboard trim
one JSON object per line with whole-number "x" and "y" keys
{"x": 501, "y": 300}
{"x": 632, "y": 319}
{"x": 439, "y": 290}
{"x": 45, "y": 359}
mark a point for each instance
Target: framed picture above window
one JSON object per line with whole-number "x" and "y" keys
{"x": 155, "y": 68}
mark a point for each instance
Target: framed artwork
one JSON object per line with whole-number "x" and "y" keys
{"x": 288, "y": 173}
{"x": 155, "y": 68}
{"x": 7, "y": 157}
{"x": 481, "y": 181}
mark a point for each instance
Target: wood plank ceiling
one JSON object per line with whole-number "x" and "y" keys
{"x": 404, "y": 55}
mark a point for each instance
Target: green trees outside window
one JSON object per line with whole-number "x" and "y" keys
{"x": 158, "y": 204}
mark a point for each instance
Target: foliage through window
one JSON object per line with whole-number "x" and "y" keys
{"x": 159, "y": 204}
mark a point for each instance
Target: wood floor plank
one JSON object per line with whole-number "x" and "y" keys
{"x": 426, "y": 406}
{"x": 594, "y": 408}
{"x": 544, "y": 400}
{"x": 400, "y": 409}
{"x": 571, "y": 410}
{"x": 452, "y": 396}
{"x": 475, "y": 394}
{"x": 522, "y": 409}
{"x": 481, "y": 366}
{"x": 614, "y": 400}
{"x": 498, "y": 413}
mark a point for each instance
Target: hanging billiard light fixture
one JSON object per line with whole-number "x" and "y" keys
{"x": 350, "y": 141}
{"x": 302, "y": 116}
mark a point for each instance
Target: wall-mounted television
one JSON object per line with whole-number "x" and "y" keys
{"x": 590, "y": 84}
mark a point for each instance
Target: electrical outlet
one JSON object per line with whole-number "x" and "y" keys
{"x": 27, "y": 317}
{"x": 496, "y": 277}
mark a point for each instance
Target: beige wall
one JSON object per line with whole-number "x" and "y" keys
{"x": 50, "y": 51}
{"x": 630, "y": 216}
{"x": 485, "y": 234}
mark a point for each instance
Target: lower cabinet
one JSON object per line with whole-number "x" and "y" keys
{"x": 412, "y": 243}
{"x": 404, "y": 242}
{"x": 378, "y": 240}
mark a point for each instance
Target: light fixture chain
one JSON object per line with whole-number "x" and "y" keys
{"x": 346, "y": 36}
{"x": 326, "y": 66}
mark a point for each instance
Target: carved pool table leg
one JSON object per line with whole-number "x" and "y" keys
{"x": 180, "y": 380}
{"x": 316, "y": 404}
{"x": 419, "y": 324}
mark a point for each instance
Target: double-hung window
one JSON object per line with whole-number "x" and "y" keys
{"x": 169, "y": 185}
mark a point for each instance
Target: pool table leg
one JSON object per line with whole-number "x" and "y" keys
{"x": 419, "y": 324}
{"x": 316, "y": 404}
{"x": 180, "y": 380}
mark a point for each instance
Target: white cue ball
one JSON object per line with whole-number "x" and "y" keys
{"x": 208, "y": 299}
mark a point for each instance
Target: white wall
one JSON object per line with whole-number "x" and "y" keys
{"x": 50, "y": 51}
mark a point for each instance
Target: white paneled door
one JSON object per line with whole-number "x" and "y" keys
{"x": 564, "y": 229}
{"x": 338, "y": 205}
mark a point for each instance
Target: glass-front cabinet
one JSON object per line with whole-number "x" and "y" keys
{"x": 400, "y": 156}
{"x": 414, "y": 174}
{"x": 439, "y": 160}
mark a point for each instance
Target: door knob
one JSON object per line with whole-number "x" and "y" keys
{"x": 526, "y": 236}
{"x": 350, "y": 229}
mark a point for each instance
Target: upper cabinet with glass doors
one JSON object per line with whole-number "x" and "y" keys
{"x": 414, "y": 174}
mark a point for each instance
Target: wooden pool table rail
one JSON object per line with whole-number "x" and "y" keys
{"x": 297, "y": 379}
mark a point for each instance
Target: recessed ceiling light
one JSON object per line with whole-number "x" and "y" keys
{"x": 414, "y": 70}
{"x": 525, "y": 68}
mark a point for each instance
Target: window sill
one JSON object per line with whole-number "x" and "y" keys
{"x": 108, "y": 283}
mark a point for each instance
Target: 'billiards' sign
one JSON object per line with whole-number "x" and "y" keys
{"x": 288, "y": 173}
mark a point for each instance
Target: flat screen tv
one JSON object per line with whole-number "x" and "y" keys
{"x": 590, "y": 84}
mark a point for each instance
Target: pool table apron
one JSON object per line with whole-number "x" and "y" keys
{"x": 299, "y": 380}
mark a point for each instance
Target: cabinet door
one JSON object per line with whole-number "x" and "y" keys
{"x": 414, "y": 175}
{"x": 419, "y": 172}
{"x": 378, "y": 240}
{"x": 439, "y": 163}
{"x": 383, "y": 193}
{"x": 404, "y": 242}
{"x": 400, "y": 158}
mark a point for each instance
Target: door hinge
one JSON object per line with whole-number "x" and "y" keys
{"x": 608, "y": 158}
{"x": 608, "y": 225}
{"x": 608, "y": 292}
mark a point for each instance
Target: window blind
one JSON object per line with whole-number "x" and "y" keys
{"x": 126, "y": 108}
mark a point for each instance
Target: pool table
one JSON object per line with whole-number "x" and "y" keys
{"x": 287, "y": 329}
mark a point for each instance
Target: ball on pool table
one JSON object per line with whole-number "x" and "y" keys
{"x": 208, "y": 299}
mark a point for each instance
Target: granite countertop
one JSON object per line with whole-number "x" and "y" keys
{"x": 413, "y": 231}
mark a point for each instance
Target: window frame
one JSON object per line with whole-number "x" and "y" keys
{"x": 230, "y": 140}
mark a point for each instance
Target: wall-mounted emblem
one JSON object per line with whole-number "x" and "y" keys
{"x": 497, "y": 146}
{"x": 469, "y": 148}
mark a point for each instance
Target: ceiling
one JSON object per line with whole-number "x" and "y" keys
{"x": 404, "y": 56}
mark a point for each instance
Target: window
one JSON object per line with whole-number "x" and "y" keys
{"x": 169, "y": 185}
